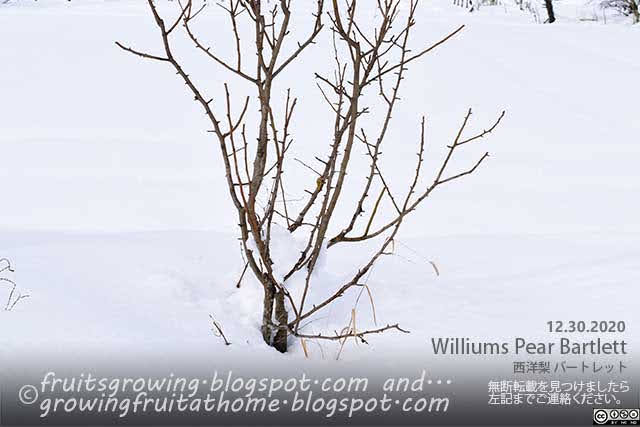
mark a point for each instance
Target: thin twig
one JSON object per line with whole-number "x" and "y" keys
{"x": 218, "y": 330}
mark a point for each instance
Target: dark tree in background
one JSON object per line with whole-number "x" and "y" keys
{"x": 549, "y": 5}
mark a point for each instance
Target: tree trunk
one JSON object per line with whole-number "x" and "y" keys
{"x": 282, "y": 318}
{"x": 271, "y": 298}
{"x": 549, "y": 6}
{"x": 634, "y": 11}
{"x": 269, "y": 294}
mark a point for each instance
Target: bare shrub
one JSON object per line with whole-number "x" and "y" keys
{"x": 364, "y": 59}
{"x": 623, "y": 7}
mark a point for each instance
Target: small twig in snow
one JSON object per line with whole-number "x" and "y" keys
{"x": 218, "y": 330}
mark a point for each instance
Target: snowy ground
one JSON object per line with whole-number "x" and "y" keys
{"x": 115, "y": 216}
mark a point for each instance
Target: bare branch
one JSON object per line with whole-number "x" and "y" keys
{"x": 218, "y": 330}
{"x": 359, "y": 335}
{"x": 416, "y": 56}
{"x": 141, "y": 54}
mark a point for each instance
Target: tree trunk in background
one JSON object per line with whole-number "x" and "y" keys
{"x": 282, "y": 318}
{"x": 549, "y": 6}
{"x": 634, "y": 10}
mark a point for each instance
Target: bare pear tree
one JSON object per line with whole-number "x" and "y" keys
{"x": 366, "y": 58}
